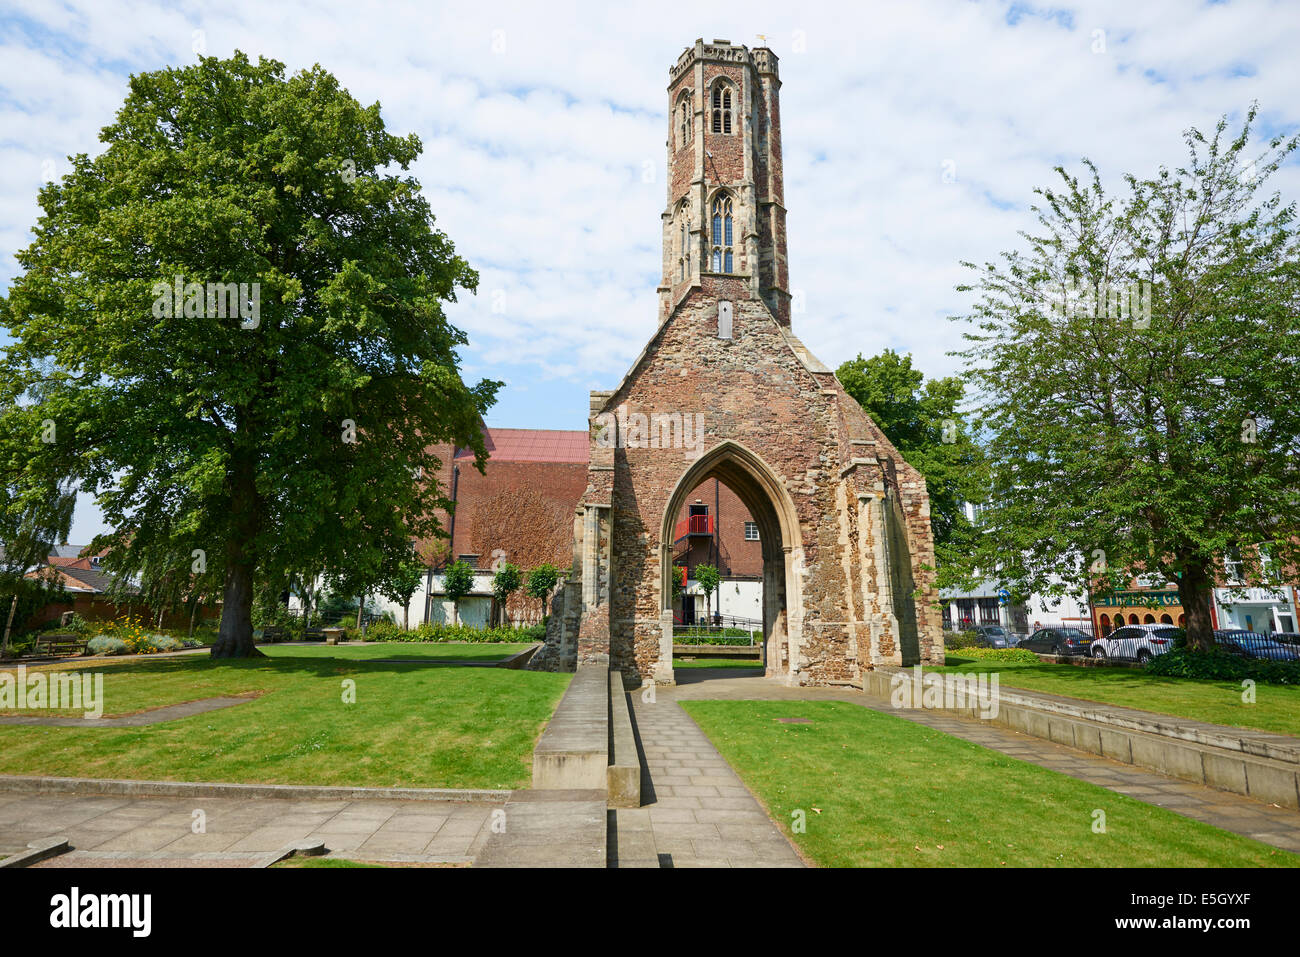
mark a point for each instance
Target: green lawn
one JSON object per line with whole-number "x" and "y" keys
{"x": 1276, "y": 707}
{"x": 411, "y": 725}
{"x": 422, "y": 651}
{"x": 880, "y": 791}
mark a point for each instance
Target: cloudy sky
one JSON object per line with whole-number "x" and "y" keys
{"x": 914, "y": 133}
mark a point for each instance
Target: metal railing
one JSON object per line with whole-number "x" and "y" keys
{"x": 694, "y": 525}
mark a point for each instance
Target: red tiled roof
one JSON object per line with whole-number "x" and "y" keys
{"x": 534, "y": 445}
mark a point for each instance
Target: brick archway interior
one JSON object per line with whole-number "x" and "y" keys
{"x": 770, "y": 507}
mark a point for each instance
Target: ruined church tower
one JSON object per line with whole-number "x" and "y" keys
{"x": 726, "y": 203}
{"x": 724, "y": 389}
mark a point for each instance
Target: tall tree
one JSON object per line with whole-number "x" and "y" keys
{"x": 401, "y": 586}
{"x": 457, "y": 582}
{"x": 505, "y": 582}
{"x": 234, "y": 315}
{"x": 709, "y": 579}
{"x": 1138, "y": 366}
{"x": 926, "y": 422}
{"x": 540, "y": 582}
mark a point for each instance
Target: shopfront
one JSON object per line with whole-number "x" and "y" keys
{"x": 1261, "y": 610}
{"x": 1137, "y": 607}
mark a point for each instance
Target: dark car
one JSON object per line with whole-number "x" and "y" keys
{"x": 1248, "y": 644}
{"x": 992, "y": 636}
{"x": 1058, "y": 641}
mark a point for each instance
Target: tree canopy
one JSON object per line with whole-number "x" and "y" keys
{"x": 925, "y": 421}
{"x": 1137, "y": 366}
{"x": 233, "y": 316}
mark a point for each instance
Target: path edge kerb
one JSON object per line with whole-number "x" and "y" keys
{"x": 211, "y": 789}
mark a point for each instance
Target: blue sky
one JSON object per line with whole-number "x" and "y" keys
{"x": 544, "y": 129}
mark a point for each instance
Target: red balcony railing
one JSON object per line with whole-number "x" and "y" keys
{"x": 694, "y": 525}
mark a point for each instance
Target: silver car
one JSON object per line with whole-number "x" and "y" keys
{"x": 1136, "y": 642}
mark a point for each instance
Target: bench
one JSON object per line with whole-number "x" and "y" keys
{"x": 58, "y": 645}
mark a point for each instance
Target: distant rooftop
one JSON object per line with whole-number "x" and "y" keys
{"x": 534, "y": 445}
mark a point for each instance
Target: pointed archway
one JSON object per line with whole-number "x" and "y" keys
{"x": 772, "y": 510}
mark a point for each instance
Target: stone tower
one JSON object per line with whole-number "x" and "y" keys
{"x": 724, "y": 163}
{"x": 725, "y": 390}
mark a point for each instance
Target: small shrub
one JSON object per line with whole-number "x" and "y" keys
{"x": 953, "y": 640}
{"x": 535, "y": 632}
{"x": 383, "y": 630}
{"x": 156, "y": 643}
{"x": 1216, "y": 665}
{"x": 106, "y": 645}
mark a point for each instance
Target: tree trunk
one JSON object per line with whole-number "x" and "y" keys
{"x": 194, "y": 612}
{"x": 361, "y": 607}
{"x": 235, "y": 639}
{"x": 13, "y": 607}
{"x": 406, "y": 614}
{"x": 1194, "y": 590}
{"x": 455, "y": 612}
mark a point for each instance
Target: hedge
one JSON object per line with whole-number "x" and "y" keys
{"x": 1220, "y": 666}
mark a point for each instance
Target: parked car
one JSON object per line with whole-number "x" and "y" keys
{"x": 1058, "y": 641}
{"x": 992, "y": 636}
{"x": 1137, "y": 642}
{"x": 1248, "y": 644}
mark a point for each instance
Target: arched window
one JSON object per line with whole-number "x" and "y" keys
{"x": 722, "y": 233}
{"x": 684, "y": 125}
{"x": 681, "y": 258}
{"x": 1166, "y": 620}
{"x": 722, "y": 108}
{"x": 1105, "y": 624}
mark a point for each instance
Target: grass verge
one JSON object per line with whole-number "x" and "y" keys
{"x": 411, "y": 725}
{"x": 880, "y": 791}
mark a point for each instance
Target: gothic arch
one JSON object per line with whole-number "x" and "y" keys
{"x": 770, "y": 506}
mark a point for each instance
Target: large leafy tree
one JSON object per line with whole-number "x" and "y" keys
{"x": 284, "y": 437}
{"x": 1142, "y": 443}
{"x": 926, "y": 422}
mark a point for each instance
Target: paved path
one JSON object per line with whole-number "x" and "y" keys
{"x": 1269, "y": 824}
{"x": 695, "y": 811}
{"x": 138, "y": 720}
{"x": 114, "y": 828}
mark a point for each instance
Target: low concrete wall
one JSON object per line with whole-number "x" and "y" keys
{"x": 520, "y": 661}
{"x": 624, "y": 771}
{"x": 1259, "y": 766}
{"x": 573, "y": 752}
